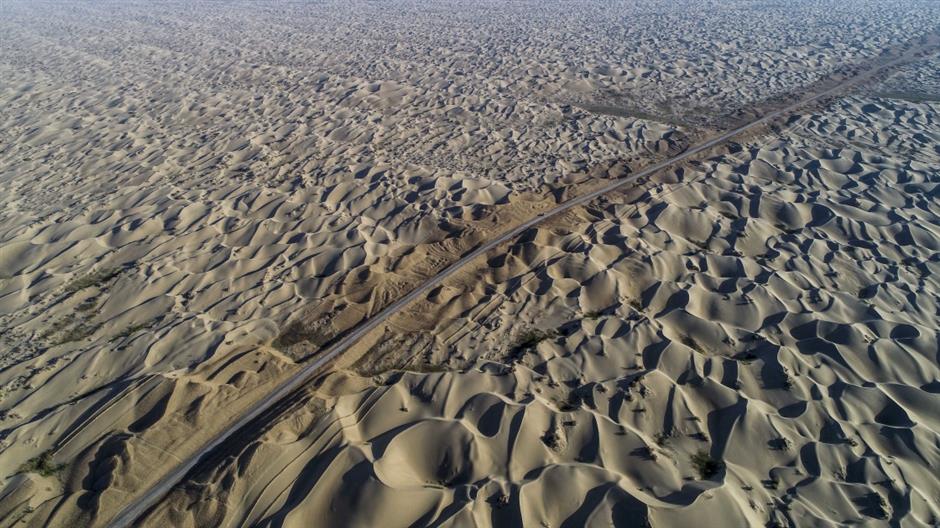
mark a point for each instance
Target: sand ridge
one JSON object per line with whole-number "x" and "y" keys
{"x": 780, "y": 299}
{"x": 182, "y": 183}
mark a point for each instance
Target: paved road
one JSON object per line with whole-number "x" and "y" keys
{"x": 139, "y": 506}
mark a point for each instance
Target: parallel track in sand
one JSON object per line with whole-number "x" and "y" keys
{"x": 281, "y": 398}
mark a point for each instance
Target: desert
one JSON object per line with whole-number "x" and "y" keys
{"x": 199, "y": 201}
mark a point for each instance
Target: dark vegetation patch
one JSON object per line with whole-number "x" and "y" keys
{"x": 67, "y": 330}
{"x": 705, "y": 465}
{"x": 129, "y": 331}
{"x": 530, "y": 339}
{"x": 306, "y": 336}
{"x": 76, "y": 333}
{"x": 87, "y": 305}
{"x": 300, "y": 332}
{"x": 94, "y": 279}
{"x": 41, "y": 464}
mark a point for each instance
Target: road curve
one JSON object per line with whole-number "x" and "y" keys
{"x": 127, "y": 517}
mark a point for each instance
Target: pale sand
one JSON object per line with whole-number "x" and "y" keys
{"x": 775, "y": 308}
{"x": 182, "y": 182}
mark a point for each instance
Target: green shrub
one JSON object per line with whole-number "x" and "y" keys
{"x": 41, "y": 464}
{"x": 129, "y": 331}
{"x": 300, "y": 332}
{"x": 76, "y": 333}
{"x": 92, "y": 279}
{"x": 531, "y": 338}
{"x": 705, "y": 465}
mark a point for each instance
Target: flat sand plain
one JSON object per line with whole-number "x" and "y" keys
{"x": 196, "y": 197}
{"x": 749, "y": 340}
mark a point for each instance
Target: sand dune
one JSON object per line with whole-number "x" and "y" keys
{"x": 751, "y": 339}
{"x": 196, "y": 198}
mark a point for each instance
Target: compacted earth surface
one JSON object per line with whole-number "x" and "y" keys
{"x": 198, "y": 197}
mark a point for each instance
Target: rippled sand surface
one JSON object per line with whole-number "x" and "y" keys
{"x": 197, "y": 198}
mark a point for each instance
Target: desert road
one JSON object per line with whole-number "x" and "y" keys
{"x": 152, "y": 496}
